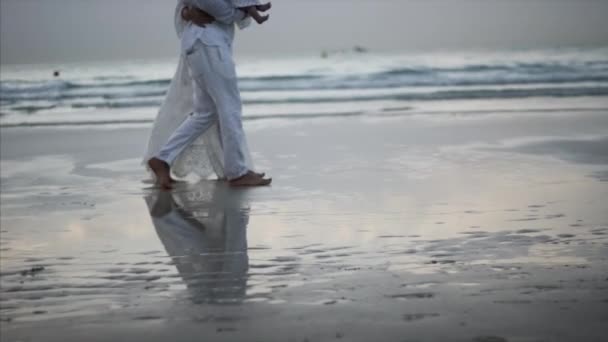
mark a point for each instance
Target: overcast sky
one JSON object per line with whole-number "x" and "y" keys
{"x": 45, "y": 31}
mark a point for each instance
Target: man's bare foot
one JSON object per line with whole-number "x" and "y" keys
{"x": 250, "y": 179}
{"x": 264, "y": 7}
{"x": 259, "y": 174}
{"x": 162, "y": 172}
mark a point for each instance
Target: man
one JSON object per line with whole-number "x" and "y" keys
{"x": 207, "y": 33}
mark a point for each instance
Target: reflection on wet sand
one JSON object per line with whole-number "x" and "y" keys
{"x": 203, "y": 229}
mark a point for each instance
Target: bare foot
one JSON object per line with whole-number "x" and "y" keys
{"x": 250, "y": 179}
{"x": 264, "y": 7}
{"x": 259, "y": 174}
{"x": 162, "y": 172}
{"x": 260, "y": 19}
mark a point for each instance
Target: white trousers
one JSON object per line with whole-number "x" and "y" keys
{"x": 216, "y": 98}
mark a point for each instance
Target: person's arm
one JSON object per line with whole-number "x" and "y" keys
{"x": 221, "y": 10}
{"x": 197, "y": 16}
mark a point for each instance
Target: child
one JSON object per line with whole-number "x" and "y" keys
{"x": 253, "y": 8}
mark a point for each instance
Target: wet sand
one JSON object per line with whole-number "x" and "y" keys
{"x": 404, "y": 228}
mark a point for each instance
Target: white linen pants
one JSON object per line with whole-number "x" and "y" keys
{"x": 216, "y": 98}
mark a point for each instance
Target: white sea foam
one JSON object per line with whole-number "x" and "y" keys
{"x": 308, "y": 86}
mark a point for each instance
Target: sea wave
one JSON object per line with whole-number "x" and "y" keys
{"x": 514, "y": 78}
{"x": 472, "y": 74}
{"x": 65, "y": 92}
{"x": 417, "y": 96}
{"x": 382, "y": 112}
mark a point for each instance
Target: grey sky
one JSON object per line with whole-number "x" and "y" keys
{"x": 41, "y": 31}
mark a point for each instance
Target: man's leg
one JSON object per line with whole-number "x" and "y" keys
{"x": 186, "y": 133}
{"x": 198, "y": 122}
{"x": 221, "y": 84}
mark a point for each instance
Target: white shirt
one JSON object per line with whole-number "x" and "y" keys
{"x": 220, "y": 32}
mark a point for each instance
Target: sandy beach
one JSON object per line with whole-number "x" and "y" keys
{"x": 396, "y": 227}
{"x": 439, "y": 171}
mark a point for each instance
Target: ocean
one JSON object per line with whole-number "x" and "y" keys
{"x": 343, "y": 84}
